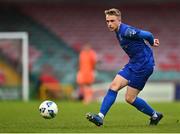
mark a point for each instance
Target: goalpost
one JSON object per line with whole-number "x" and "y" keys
{"x": 23, "y": 36}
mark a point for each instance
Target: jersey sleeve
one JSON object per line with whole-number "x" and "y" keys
{"x": 134, "y": 33}
{"x": 147, "y": 36}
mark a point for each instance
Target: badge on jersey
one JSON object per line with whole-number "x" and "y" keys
{"x": 130, "y": 33}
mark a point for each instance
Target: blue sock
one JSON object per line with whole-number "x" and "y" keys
{"x": 142, "y": 106}
{"x": 108, "y": 101}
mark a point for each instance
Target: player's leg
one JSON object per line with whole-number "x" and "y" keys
{"x": 81, "y": 83}
{"x": 118, "y": 83}
{"x": 140, "y": 104}
{"x": 88, "y": 94}
{"x": 89, "y": 78}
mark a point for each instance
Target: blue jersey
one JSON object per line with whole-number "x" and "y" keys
{"x": 132, "y": 42}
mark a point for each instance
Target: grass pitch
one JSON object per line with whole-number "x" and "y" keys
{"x": 122, "y": 118}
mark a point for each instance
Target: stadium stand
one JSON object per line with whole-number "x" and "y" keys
{"x": 57, "y": 32}
{"x": 77, "y": 25}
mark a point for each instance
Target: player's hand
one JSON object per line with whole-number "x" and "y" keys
{"x": 156, "y": 43}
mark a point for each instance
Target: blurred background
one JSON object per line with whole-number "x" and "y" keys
{"x": 56, "y": 32}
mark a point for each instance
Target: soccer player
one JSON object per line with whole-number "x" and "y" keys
{"x": 135, "y": 73}
{"x": 86, "y": 73}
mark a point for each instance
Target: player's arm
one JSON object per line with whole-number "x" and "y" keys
{"x": 133, "y": 33}
{"x": 149, "y": 37}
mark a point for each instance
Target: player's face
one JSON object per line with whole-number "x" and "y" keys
{"x": 112, "y": 22}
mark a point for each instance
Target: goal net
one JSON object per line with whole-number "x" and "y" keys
{"x": 14, "y": 73}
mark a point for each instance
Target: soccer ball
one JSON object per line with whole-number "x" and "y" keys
{"x": 48, "y": 109}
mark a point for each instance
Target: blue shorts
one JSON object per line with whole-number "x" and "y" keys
{"x": 136, "y": 79}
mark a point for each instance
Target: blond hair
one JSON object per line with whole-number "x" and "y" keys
{"x": 113, "y": 11}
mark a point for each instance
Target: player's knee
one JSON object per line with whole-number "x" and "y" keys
{"x": 114, "y": 86}
{"x": 129, "y": 99}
